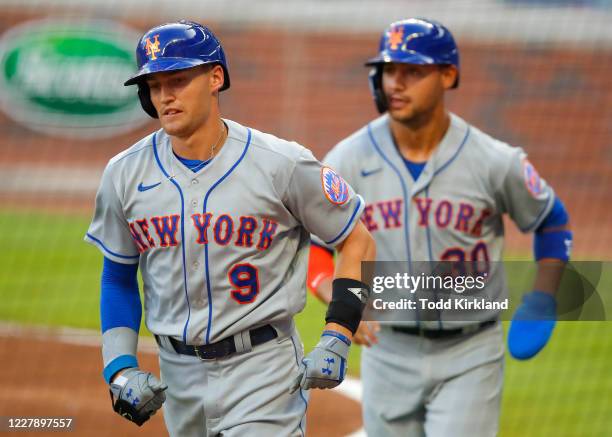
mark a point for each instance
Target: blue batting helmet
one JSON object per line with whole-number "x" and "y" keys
{"x": 412, "y": 41}
{"x": 175, "y": 46}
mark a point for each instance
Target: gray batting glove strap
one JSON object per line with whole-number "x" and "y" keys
{"x": 325, "y": 366}
{"x": 137, "y": 395}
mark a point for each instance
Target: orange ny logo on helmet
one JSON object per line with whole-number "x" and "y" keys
{"x": 396, "y": 35}
{"x": 153, "y": 47}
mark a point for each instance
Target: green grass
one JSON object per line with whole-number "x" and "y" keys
{"x": 50, "y": 277}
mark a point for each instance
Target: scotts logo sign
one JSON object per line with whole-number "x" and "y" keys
{"x": 66, "y": 78}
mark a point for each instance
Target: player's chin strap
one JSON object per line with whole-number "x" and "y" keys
{"x": 349, "y": 297}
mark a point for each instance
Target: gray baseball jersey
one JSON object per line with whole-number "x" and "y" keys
{"x": 224, "y": 249}
{"x": 453, "y": 211}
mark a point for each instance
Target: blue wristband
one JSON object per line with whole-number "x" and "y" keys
{"x": 121, "y": 362}
{"x": 554, "y": 244}
{"x": 337, "y": 335}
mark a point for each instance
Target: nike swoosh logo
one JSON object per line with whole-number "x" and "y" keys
{"x": 142, "y": 188}
{"x": 366, "y": 173}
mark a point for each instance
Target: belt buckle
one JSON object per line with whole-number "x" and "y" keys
{"x": 203, "y": 356}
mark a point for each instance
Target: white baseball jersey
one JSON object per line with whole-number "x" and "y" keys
{"x": 453, "y": 211}
{"x": 224, "y": 249}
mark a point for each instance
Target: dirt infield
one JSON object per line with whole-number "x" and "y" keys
{"x": 46, "y": 378}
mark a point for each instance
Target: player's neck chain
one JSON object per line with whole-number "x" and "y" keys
{"x": 212, "y": 150}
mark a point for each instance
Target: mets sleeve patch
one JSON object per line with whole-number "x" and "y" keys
{"x": 532, "y": 178}
{"x": 335, "y": 188}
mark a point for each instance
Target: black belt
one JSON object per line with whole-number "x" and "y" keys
{"x": 442, "y": 333}
{"x": 221, "y": 348}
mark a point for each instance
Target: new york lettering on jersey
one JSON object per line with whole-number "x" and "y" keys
{"x": 460, "y": 216}
{"x": 222, "y": 227}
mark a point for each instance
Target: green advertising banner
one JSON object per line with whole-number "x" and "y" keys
{"x": 66, "y": 78}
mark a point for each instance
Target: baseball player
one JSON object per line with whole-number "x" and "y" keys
{"x": 436, "y": 189}
{"x": 218, "y": 218}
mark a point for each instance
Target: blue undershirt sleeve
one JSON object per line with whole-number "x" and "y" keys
{"x": 120, "y": 299}
{"x": 120, "y": 313}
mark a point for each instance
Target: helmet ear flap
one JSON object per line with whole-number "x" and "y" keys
{"x": 226, "y": 79}
{"x": 375, "y": 80}
{"x": 144, "y": 94}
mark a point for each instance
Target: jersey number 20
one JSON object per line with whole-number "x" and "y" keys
{"x": 244, "y": 277}
{"x": 478, "y": 257}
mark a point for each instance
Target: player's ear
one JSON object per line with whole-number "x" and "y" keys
{"x": 217, "y": 77}
{"x": 449, "y": 76}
